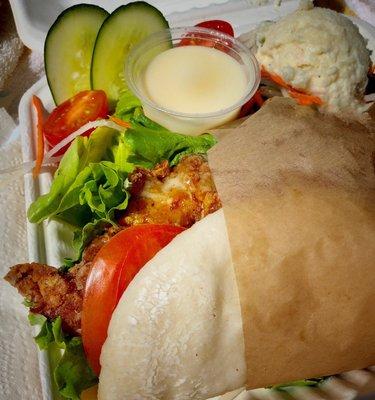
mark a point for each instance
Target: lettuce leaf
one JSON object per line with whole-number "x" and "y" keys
{"x": 150, "y": 143}
{"x": 149, "y": 146}
{"x": 81, "y": 181}
{"x": 286, "y": 387}
{"x": 88, "y": 187}
{"x": 82, "y": 237}
{"x": 126, "y": 105}
{"x": 71, "y": 372}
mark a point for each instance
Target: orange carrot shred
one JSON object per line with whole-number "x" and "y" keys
{"x": 275, "y": 78}
{"x": 300, "y": 96}
{"x": 119, "y": 121}
{"x": 305, "y": 99}
{"x": 40, "y": 139}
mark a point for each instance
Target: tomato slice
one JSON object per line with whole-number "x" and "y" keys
{"x": 215, "y": 24}
{"x": 114, "y": 267}
{"x": 218, "y": 25}
{"x": 75, "y": 112}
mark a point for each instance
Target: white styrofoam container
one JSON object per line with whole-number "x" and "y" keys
{"x": 34, "y": 17}
{"x": 47, "y": 242}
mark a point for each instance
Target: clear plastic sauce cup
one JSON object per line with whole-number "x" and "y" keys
{"x": 149, "y": 69}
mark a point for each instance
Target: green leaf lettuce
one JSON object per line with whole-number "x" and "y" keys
{"x": 71, "y": 372}
{"x": 287, "y": 387}
{"x": 127, "y": 105}
{"x": 81, "y": 188}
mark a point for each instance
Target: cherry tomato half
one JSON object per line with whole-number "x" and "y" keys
{"x": 218, "y": 25}
{"x": 73, "y": 113}
{"x": 215, "y": 24}
{"x": 252, "y": 105}
{"x": 114, "y": 267}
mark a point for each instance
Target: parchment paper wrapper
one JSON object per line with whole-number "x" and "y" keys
{"x": 298, "y": 191}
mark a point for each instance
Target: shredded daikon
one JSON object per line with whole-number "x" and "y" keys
{"x": 90, "y": 125}
{"x": 48, "y": 157}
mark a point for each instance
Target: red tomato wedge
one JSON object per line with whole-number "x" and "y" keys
{"x": 215, "y": 24}
{"x": 114, "y": 267}
{"x": 218, "y": 25}
{"x": 75, "y": 112}
{"x": 248, "y": 108}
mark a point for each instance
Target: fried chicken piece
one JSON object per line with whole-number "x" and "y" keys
{"x": 50, "y": 293}
{"x": 53, "y": 293}
{"x": 181, "y": 195}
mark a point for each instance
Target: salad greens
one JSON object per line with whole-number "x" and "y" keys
{"x": 91, "y": 183}
{"x": 88, "y": 161}
{"x": 152, "y": 145}
{"x": 150, "y": 142}
{"x": 71, "y": 372}
{"x": 126, "y": 105}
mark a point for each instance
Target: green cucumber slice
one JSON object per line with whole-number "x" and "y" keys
{"x": 68, "y": 50}
{"x": 123, "y": 29}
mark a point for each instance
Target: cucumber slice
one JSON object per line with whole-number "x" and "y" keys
{"x": 124, "y": 28}
{"x": 68, "y": 50}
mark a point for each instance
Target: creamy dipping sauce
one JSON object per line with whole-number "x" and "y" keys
{"x": 195, "y": 80}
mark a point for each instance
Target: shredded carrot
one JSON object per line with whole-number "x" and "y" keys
{"x": 300, "y": 96}
{"x": 275, "y": 78}
{"x": 305, "y": 99}
{"x": 119, "y": 121}
{"x": 40, "y": 139}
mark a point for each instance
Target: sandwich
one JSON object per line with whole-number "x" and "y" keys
{"x": 275, "y": 270}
